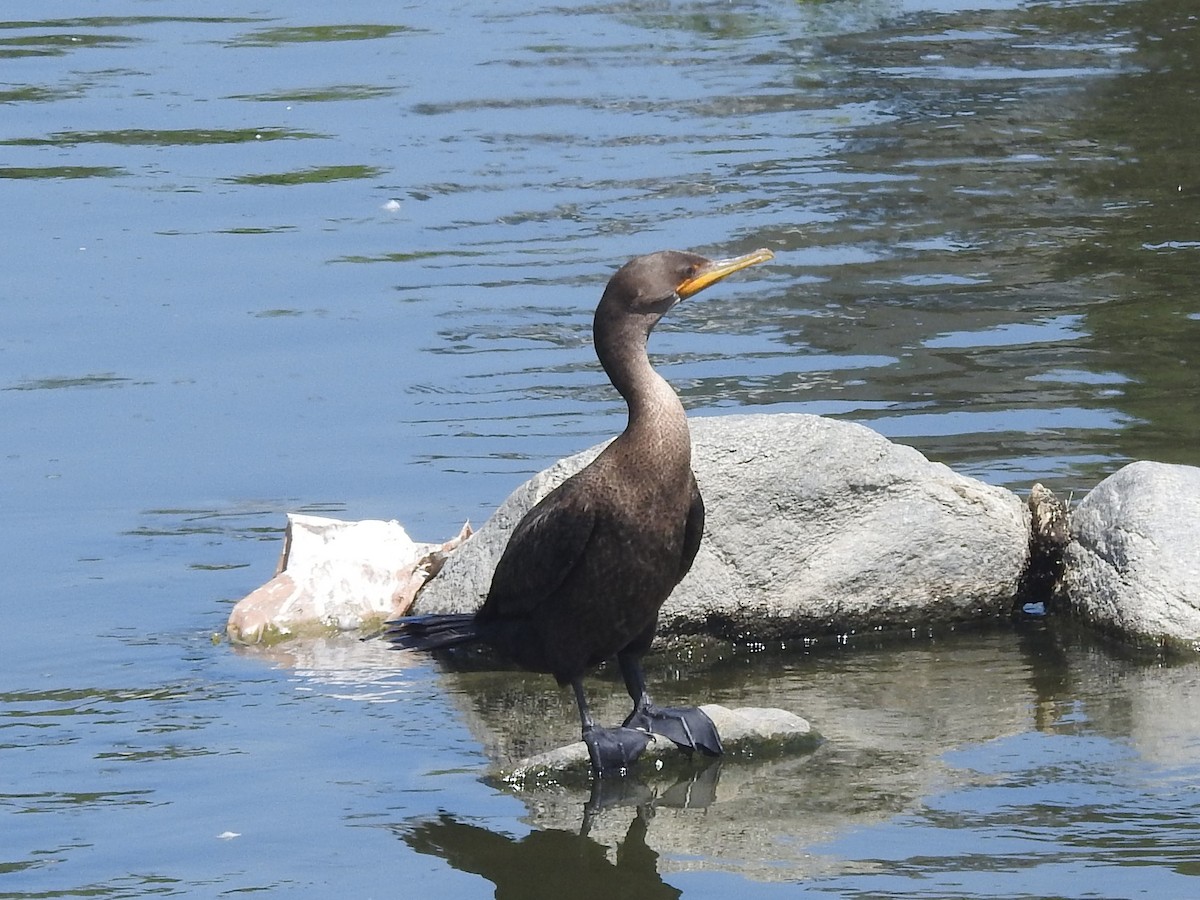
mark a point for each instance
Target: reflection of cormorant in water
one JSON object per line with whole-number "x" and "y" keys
{"x": 547, "y": 865}
{"x": 587, "y": 569}
{"x": 1042, "y": 640}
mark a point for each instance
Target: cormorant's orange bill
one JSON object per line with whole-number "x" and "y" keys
{"x": 717, "y": 269}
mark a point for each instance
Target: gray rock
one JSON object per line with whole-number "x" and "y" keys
{"x": 1133, "y": 564}
{"x": 813, "y": 526}
{"x": 747, "y": 731}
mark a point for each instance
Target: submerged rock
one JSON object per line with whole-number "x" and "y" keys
{"x": 1133, "y": 564}
{"x": 813, "y": 526}
{"x": 745, "y": 732}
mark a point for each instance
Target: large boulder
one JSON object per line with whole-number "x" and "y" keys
{"x": 813, "y": 526}
{"x": 1133, "y": 564}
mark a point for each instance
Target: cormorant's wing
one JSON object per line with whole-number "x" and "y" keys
{"x": 693, "y": 531}
{"x": 542, "y": 551}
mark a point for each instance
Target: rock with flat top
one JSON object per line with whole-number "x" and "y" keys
{"x": 745, "y": 732}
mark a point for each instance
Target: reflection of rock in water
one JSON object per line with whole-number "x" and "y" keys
{"x": 551, "y": 863}
{"x": 1164, "y": 709}
{"x": 893, "y": 717}
{"x": 888, "y": 715}
{"x": 339, "y": 666}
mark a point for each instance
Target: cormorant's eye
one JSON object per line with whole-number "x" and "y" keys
{"x": 690, "y": 272}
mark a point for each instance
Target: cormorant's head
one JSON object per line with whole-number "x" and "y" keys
{"x": 650, "y": 285}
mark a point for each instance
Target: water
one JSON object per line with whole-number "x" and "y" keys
{"x": 283, "y": 257}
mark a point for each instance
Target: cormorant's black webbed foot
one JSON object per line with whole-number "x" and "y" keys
{"x": 614, "y": 750}
{"x": 688, "y": 726}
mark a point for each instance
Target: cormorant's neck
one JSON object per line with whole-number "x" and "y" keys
{"x": 654, "y": 407}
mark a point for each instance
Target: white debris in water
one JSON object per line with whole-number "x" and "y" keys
{"x": 337, "y": 576}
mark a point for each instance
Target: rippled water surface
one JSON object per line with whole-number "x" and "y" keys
{"x": 294, "y": 256}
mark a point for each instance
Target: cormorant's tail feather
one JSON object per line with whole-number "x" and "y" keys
{"x": 432, "y": 632}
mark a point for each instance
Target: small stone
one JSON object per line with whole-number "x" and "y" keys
{"x": 745, "y": 731}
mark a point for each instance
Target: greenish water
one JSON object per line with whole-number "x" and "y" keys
{"x": 288, "y": 257}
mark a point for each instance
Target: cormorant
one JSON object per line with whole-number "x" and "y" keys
{"x": 586, "y": 570}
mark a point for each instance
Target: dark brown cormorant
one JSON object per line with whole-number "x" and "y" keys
{"x": 586, "y": 570}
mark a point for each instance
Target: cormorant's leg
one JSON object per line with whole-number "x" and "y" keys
{"x": 688, "y": 726}
{"x": 612, "y": 750}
